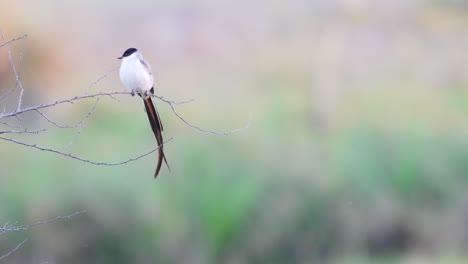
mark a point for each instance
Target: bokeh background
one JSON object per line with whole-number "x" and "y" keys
{"x": 357, "y": 151}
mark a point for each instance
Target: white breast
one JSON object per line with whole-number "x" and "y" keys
{"x": 135, "y": 76}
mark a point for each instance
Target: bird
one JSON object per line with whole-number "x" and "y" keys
{"x": 135, "y": 73}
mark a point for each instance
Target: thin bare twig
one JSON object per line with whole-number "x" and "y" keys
{"x": 7, "y": 93}
{"x": 25, "y": 131}
{"x": 71, "y": 100}
{"x": 99, "y": 96}
{"x": 11, "y": 228}
{"x": 215, "y": 132}
{"x": 69, "y": 155}
{"x": 105, "y": 75}
{"x": 78, "y": 124}
{"x": 167, "y": 101}
{"x": 12, "y": 40}
{"x": 171, "y": 103}
{"x": 17, "y": 76}
{"x": 8, "y": 228}
{"x": 81, "y": 124}
{"x": 10, "y": 125}
{"x": 13, "y": 250}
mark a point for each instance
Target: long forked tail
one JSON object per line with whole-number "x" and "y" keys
{"x": 157, "y": 128}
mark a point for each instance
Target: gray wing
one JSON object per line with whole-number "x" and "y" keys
{"x": 146, "y": 66}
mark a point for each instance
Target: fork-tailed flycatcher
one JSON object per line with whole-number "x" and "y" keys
{"x": 135, "y": 73}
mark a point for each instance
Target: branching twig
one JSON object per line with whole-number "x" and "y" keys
{"x": 71, "y": 100}
{"x": 99, "y": 95}
{"x": 78, "y": 124}
{"x": 10, "y": 59}
{"x": 171, "y": 103}
{"x": 69, "y": 155}
{"x": 25, "y": 131}
{"x": 17, "y": 76}
{"x": 10, "y": 228}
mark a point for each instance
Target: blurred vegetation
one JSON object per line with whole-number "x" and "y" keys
{"x": 356, "y": 154}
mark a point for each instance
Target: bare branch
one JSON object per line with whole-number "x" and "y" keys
{"x": 12, "y": 40}
{"x": 81, "y": 124}
{"x": 54, "y": 122}
{"x": 8, "y": 228}
{"x": 172, "y": 104}
{"x": 162, "y": 98}
{"x": 215, "y": 132}
{"x": 99, "y": 79}
{"x": 80, "y": 97}
{"x": 13, "y": 250}
{"x": 18, "y": 81}
{"x": 10, "y": 125}
{"x": 25, "y": 131}
{"x": 62, "y": 101}
{"x": 99, "y": 95}
{"x": 69, "y": 155}
{"x": 78, "y": 124}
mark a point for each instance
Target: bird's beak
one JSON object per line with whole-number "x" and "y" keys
{"x": 119, "y": 58}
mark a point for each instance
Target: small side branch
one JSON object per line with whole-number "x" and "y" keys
{"x": 69, "y": 155}
{"x": 17, "y": 76}
{"x": 215, "y": 132}
{"x": 12, "y": 40}
{"x": 13, "y": 250}
{"x": 11, "y": 228}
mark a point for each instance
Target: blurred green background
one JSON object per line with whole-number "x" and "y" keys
{"x": 357, "y": 151}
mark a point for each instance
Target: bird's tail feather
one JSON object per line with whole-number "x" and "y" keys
{"x": 157, "y": 128}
